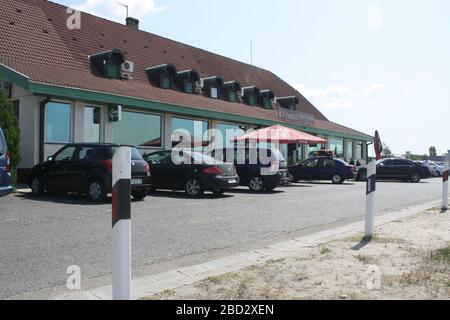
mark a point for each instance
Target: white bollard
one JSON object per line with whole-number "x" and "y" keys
{"x": 370, "y": 199}
{"x": 121, "y": 220}
{"x": 445, "y": 184}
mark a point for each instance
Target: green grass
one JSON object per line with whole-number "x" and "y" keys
{"x": 442, "y": 255}
{"x": 325, "y": 250}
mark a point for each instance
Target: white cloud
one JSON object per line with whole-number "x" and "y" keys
{"x": 340, "y": 97}
{"x": 112, "y": 9}
{"x": 374, "y": 18}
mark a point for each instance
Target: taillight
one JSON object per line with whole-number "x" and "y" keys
{"x": 234, "y": 170}
{"x": 8, "y": 162}
{"x": 108, "y": 165}
{"x": 147, "y": 169}
{"x": 213, "y": 170}
{"x": 352, "y": 168}
{"x": 275, "y": 166}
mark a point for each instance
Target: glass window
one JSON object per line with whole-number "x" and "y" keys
{"x": 58, "y": 118}
{"x": 157, "y": 158}
{"x": 113, "y": 71}
{"x": 267, "y": 102}
{"x": 91, "y": 128}
{"x": 310, "y": 163}
{"x": 349, "y": 150}
{"x": 138, "y": 129}
{"x": 197, "y": 132}
{"x": 166, "y": 82}
{"x": 214, "y": 93}
{"x": 188, "y": 86}
{"x": 232, "y": 96}
{"x": 251, "y": 100}
{"x": 337, "y": 146}
{"x": 229, "y": 132}
{"x": 328, "y": 163}
{"x": 86, "y": 153}
{"x": 402, "y": 163}
{"x": 66, "y": 154}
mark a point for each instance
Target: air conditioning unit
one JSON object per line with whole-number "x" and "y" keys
{"x": 127, "y": 67}
{"x": 198, "y": 90}
{"x": 240, "y": 99}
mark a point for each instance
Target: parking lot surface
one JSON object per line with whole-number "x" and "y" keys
{"x": 41, "y": 237}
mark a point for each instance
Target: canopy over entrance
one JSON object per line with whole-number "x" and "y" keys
{"x": 282, "y": 135}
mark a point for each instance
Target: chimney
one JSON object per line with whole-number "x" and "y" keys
{"x": 132, "y": 23}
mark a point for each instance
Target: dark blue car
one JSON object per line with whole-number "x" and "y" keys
{"x": 5, "y": 169}
{"x": 323, "y": 168}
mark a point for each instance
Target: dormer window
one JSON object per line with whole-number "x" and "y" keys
{"x": 162, "y": 75}
{"x": 265, "y": 98}
{"x": 250, "y": 95}
{"x": 212, "y": 86}
{"x": 108, "y": 64}
{"x": 289, "y": 103}
{"x": 187, "y": 80}
{"x": 231, "y": 90}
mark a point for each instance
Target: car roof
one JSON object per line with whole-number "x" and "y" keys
{"x": 98, "y": 144}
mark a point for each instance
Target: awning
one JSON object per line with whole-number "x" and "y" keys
{"x": 282, "y": 135}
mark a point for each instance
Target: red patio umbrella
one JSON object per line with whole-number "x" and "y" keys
{"x": 282, "y": 135}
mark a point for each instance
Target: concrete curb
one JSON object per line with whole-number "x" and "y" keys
{"x": 170, "y": 280}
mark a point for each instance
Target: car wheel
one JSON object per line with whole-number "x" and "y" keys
{"x": 218, "y": 192}
{"x": 256, "y": 184}
{"x": 362, "y": 176}
{"x": 139, "y": 195}
{"x": 415, "y": 177}
{"x": 96, "y": 191}
{"x": 337, "y": 179}
{"x": 194, "y": 187}
{"x": 37, "y": 187}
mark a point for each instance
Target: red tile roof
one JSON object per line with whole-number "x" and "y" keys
{"x": 36, "y": 42}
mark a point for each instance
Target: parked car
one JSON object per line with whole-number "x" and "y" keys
{"x": 87, "y": 169}
{"x": 397, "y": 169}
{"x": 436, "y": 169}
{"x": 5, "y": 167}
{"x": 323, "y": 168}
{"x": 258, "y": 168}
{"x": 191, "y": 171}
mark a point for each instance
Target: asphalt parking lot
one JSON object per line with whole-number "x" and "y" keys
{"x": 41, "y": 237}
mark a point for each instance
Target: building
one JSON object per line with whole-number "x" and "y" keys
{"x": 67, "y": 81}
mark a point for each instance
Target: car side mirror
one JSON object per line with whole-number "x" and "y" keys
{"x": 50, "y": 159}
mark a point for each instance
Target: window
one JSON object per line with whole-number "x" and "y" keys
{"x": 328, "y": 163}
{"x": 188, "y": 86}
{"x": 402, "y": 163}
{"x": 232, "y": 96}
{"x": 138, "y": 129}
{"x": 349, "y": 150}
{"x": 229, "y": 132}
{"x": 58, "y": 119}
{"x": 157, "y": 158}
{"x": 267, "y": 102}
{"x": 251, "y": 100}
{"x": 214, "y": 93}
{"x": 86, "y": 153}
{"x": 310, "y": 163}
{"x": 197, "y": 130}
{"x": 337, "y": 146}
{"x": 360, "y": 150}
{"x": 166, "y": 82}
{"x": 91, "y": 127}
{"x": 112, "y": 71}
{"x": 387, "y": 163}
{"x": 66, "y": 154}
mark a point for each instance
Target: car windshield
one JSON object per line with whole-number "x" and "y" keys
{"x": 342, "y": 162}
{"x": 2, "y": 142}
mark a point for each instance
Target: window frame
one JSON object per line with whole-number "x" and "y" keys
{"x": 71, "y": 121}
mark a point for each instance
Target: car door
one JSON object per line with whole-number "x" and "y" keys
{"x": 402, "y": 168}
{"x": 308, "y": 170}
{"x": 384, "y": 169}
{"x": 326, "y": 168}
{"x": 82, "y": 166}
{"x": 159, "y": 168}
{"x": 57, "y": 169}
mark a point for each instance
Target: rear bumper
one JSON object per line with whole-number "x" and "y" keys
{"x": 145, "y": 184}
{"x": 5, "y": 190}
{"x": 221, "y": 182}
{"x": 5, "y": 182}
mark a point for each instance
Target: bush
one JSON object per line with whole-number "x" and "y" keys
{"x": 11, "y": 130}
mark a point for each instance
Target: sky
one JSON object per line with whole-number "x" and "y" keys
{"x": 370, "y": 65}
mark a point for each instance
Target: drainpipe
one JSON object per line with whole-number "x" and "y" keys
{"x": 42, "y": 128}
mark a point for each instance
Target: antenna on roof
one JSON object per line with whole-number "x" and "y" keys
{"x": 123, "y": 5}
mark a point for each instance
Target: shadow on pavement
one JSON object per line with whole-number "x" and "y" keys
{"x": 65, "y": 198}
{"x": 364, "y": 242}
{"x": 182, "y": 195}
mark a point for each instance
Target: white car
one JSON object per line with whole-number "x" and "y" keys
{"x": 436, "y": 169}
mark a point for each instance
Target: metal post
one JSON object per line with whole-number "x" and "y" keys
{"x": 121, "y": 221}
{"x": 445, "y": 184}
{"x": 370, "y": 199}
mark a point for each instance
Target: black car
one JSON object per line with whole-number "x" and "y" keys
{"x": 87, "y": 169}
{"x": 5, "y": 167}
{"x": 258, "y": 168}
{"x": 397, "y": 169}
{"x": 191, "y": 171}
{"x": 323, "y": 168}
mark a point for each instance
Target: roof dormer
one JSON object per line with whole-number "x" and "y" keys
{"x": 212, "y": 86}
{"x": 162, "y": 75}
{"x": 187, "y": 80}
{"x": 265, "y": 98}
{"x": 107, "y": 63}
{"x": 289, "y": 102}
{"x": 250, "y": 95}
{"x": 231, "y": 90}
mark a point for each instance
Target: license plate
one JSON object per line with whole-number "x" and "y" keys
{"x": 136, "y": 181}
{"x": 232, "y": 181}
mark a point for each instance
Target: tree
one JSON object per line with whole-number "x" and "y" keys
{"x": 10, "y": 127}
{"x": 433, "y": 151}
{"x": 386, "y": 153}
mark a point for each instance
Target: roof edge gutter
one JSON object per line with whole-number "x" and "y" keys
{"x": 9, "y": 74}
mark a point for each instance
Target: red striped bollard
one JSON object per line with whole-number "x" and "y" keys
{"x": 121, "y": 224}
{"x": 370, "y": 198}
{"x": 445, "y": 185}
